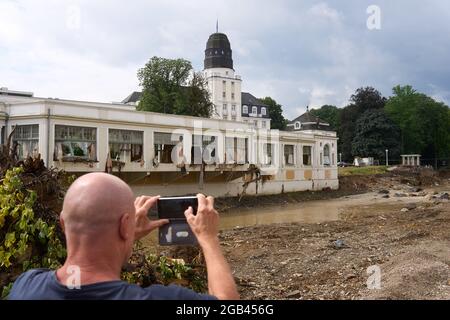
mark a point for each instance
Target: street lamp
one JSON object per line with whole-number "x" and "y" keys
{"x": 387, "y": 157}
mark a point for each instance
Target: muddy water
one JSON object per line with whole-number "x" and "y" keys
{"x": 308, "y": 212}
{"x": 317, "y": 211}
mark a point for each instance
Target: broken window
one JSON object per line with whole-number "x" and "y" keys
{"x": 164, "y": 144}
{"x": 75, "y": 143}
{"x": 289, "y": 154}
{"x": 268, "y": 152}
{"x": 236, "y": 150}
{"x": 126, "y": 145}
{"x": 203, "y": 148}
{"x": 26, "y": 140}
{"x": 306, "y": 155}
{"x": 326, "y": 155}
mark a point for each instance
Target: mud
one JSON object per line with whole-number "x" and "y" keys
{"x": 404, "y": 230}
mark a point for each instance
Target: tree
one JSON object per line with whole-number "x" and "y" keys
{"x": 363, "y": 99}
{"x": 367, "y": 98}
{"x": 374, "y": 133}
{"x": 275, "y": 113}
{"x": 424, "y": 122}
{"x": 195, "y": 99}
{"x": 329, "y": 114}
{"x": 170, "y": 86}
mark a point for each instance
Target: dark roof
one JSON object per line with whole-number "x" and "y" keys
{"x": 307, "y": 117}
{"x": 250, "y": 100}
{"x": 218, "y": 53}
{"x": 135, "y": 96}
{"x": 308, "y": 121}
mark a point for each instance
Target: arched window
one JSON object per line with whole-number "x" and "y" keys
{"x": 326, "y": 155}
{"x": 297, "y": 125}
{"x": 254, "y": 110}
{"x": 245, "y": 109}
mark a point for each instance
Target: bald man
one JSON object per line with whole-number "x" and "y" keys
{"x": 101, "y": 220}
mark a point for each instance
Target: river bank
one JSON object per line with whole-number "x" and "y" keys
{"x": 399, "y": 227}
{"x": 319, "y": 245}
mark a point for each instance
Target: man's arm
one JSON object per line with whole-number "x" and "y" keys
{"x": 205, "y": 226}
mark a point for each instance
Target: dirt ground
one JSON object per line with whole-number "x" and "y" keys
{"x": 407, "y": 237}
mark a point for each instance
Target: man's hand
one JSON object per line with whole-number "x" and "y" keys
{"x": 205, "y": 224}
{"x": 143, "y": 224}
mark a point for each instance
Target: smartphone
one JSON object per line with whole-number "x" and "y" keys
{"x": 177, "y": 231}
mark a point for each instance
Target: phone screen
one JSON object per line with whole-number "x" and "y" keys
{"x": 173, "y": 208}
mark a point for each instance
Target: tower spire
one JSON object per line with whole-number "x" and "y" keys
{"x": 217, "y": 25}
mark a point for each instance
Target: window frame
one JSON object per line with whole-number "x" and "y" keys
{"x": 123, "y": 144}
{"x": 31, "y": 143}
{"x": 75, "y": 142}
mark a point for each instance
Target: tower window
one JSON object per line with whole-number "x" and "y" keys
{"x": 224, "y": 94}
{"x": 245, "y": 109}
{"x": 254, "y": 110}
{"x": 263, "y": 111}
{"x": 297, "y": 125}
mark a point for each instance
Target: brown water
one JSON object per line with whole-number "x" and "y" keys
{"x": 317, "y": 211}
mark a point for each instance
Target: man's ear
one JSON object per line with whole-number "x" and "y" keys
{"x": 124, "y": 228}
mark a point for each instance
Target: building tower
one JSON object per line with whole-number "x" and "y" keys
{"x": 223, "y": 85}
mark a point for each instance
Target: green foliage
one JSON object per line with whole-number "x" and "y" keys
{"x": 275, "y": 113}
{"x": 364, "y": 99}
{"x": 424, "y": 123}
{"x": 167, "y": 88}
{"x": 329, "y": 114}
{"x": 367, "y": 98}
{"x": 374, "y": 133}
{"x": 362, "y": 171}
{"x": 27, "y": 241}
{"x": 146, "y": 269}
{"x": 194, "y": 99}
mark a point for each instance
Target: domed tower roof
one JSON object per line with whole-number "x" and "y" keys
{"x": 218, "y": 53}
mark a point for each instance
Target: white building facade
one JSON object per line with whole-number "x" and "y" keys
{"x": 82, "y": 137}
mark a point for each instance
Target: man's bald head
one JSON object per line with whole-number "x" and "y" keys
{"x": 96, "y": 201}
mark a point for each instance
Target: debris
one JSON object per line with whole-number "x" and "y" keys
{"x": 350, "y": 276}
{"x": 339, "y": 244}
{"x": 411, "y": 206}
{"x": 400, "y": 195}
{"x": 404, "y": 210}
{"x": 293, "y": 294}
{"x": 383, "y": 191}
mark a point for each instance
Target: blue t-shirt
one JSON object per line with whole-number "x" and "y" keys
{"x": 42, "y": 284}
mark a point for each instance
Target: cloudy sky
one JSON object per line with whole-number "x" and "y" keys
{"x": 299, "y": 52}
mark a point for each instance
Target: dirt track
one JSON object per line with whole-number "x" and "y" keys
{"x": 303, "y": 261}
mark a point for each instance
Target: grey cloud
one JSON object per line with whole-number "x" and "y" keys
{"x": 301, "y": 53}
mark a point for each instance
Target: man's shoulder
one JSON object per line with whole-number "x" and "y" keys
{"x": 29, "y": 281}
{"x": 33, "y": 275}
{"x": 175, "y": 292}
